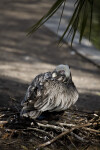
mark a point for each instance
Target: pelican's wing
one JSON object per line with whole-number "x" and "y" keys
{"x": 35, "y": 88}
{"x": 57, "y": 96}
{"x": 52, "y": 96}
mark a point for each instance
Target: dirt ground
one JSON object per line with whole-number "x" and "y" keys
{"x": 22, "y": 57}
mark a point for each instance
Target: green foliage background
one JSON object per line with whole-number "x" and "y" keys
{"x": 95, "y": 32}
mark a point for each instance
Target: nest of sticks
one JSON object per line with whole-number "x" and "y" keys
{"x": 73, "y": 128}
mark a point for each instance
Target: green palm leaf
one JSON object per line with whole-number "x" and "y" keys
{"x": 83, "y": 19}
{"x": 50, "y": 13}
{"x": 77, "y": 21}
{"x": 61, "y": 16}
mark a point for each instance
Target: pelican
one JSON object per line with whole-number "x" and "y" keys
{"x": 49, "y": 92}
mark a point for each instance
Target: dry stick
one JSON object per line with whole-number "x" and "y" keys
{"x": 92, "y": 130}
{"x": 41, "y": 131}
{"x": 11, "y": 142}
{"x": 3, "y": 122}
{"x": 4, "y": 109}
{"x": 78, "y": 137}
{"x": 72, "y": 142}
{"x": 65, "y": 124}
{"x": 52, "y": 127}
{"x": 86, "y": 147}
{"x": 62, "y": 134}
{"x": 2, "y": 115}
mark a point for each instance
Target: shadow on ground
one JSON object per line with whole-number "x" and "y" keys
{"x": 15, "y": 89}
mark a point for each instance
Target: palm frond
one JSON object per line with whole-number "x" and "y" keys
{"x": 83, "y": 19}
{"x": 61, "y": 15}
{"x": 91, "y": 7}
{"x": 49, "y": 14}
{"x": 77, "y": 21}
{"x": 73, "y": 19}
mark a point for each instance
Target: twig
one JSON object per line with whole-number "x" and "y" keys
{"x": 12, "y": 130}
{"x": 65, "y": 124}
{"x": 51, "y": 126}
{"x": 4, "y": 109}
{"x": 78, "y": 137}
{"x": 87, "y": 146}
{"x": 3, "y": 122}
{"x": 2, "y": 115}
{"x": 92, "y": 130}
{"x": 72, "y": 142}
{"x": 41, "y": 131}
{"x": 62, "y": 134}
{"x": 11, "y": 142}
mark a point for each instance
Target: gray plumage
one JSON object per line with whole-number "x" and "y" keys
{"x": 51, "y": 91}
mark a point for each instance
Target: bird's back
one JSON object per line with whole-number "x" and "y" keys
{"x": 48, "y": 94}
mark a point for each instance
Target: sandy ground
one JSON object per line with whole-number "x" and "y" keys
{"x": 22, "y": 57}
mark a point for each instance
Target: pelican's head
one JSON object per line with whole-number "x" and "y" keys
{"x": 62, "y": 70}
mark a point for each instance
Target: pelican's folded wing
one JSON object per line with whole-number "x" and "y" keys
{"x": 56, "y": 96}
{"x": 34, "y": 90}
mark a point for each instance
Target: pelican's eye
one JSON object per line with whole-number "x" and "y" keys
{"x": 62, "y": 72}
